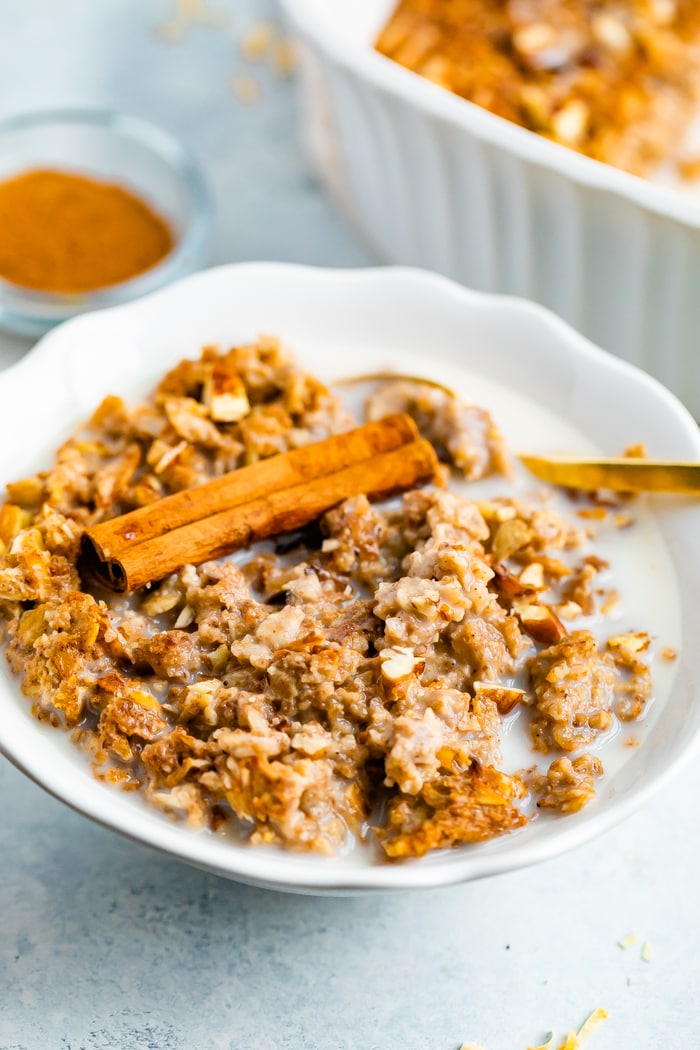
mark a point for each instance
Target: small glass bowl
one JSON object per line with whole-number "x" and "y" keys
{"x": 117, "y": 148}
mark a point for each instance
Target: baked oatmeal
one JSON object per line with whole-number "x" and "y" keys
{"x": 617, "y": 80}
{"x": 349, "y": 681}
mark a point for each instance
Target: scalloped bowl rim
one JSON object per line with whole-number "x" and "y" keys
{"x": 68, "y": 777}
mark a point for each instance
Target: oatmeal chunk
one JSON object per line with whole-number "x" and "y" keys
{"x": 635, "y": 687}
{"x": 126, "y": 719}
{"x": 413, "y": 756}
{"x": 172, "y": 655}
{"x": 356, "y": 536}
{"x": 55, "y": 647}
{"x": 183, "y": 800}
{"x": 471, "y": 806}
{"x": 173, "y": 755}
{"x": 580, "y": 587}
{"x": 415, "y": 610}
{"x": 574, "y": 685}
{"x": 483, "y": 649}
{"x": 288, "y": 802}
{"x": 464, "y": 434}
{"x": 569, "y": 785}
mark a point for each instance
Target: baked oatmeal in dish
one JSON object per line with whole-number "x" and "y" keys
{"x": 617, "y": 80}
{"x": 350, "y": 681}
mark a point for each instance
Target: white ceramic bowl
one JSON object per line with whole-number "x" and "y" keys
{"x": 342, "y": 322}
{"x": 434, "y": 181}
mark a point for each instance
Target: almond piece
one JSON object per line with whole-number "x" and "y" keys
{"x": 532, "y": 577}
{"x": 506, "y": 698}
{"x": 628, "y": 645}
{"x": 511, "y": 536}
{"x": 399, "y": 662}
{"x": 506, "y": 583}
{"x": 541, "y": 623}
{"x": 495, "y": 511}
{"x": 12, "y": 520}
{"x": 570, "y": 124}
{"x": 224, "y": 394}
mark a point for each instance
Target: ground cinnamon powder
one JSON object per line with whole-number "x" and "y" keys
{"x": 61, "y": 232}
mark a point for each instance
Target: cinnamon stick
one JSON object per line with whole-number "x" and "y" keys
{"x": 268, "y": 512}
{"x": 251, "y": 482}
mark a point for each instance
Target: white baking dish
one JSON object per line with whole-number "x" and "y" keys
{"x": 435, "y": 181}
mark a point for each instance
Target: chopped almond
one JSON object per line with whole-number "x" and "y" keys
{"x": 224, "y": 394}
{"x": 594, "y": 513}
{"x": 533, "y": 576}
{"x": 505, "y": 698}
{"x": 569, "y": 610}
{"x": 511, "y": 536}
{"x": 630, "y": 644}
{"x": 399, "y": 662}
{"x": 540, "y": 622}
{"x": 12, "y": 520}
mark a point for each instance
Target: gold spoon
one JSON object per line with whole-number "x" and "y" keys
{"x": 619, "y": 474}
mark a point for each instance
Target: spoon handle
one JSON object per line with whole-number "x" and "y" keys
{"x": 621, "y": 475}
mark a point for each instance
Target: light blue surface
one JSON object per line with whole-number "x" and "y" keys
{"x": 105, "y": 945}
